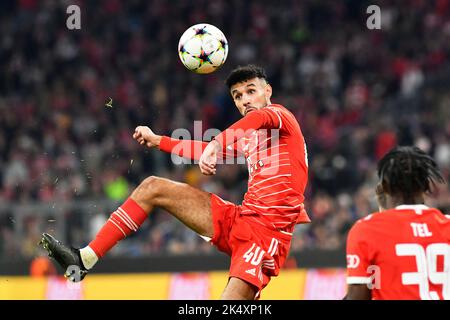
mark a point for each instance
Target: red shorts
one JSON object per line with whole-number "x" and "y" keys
{"x": 257, "y": 252}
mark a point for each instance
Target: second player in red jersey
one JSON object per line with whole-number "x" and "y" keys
{"x": 407, "y": 247}
{"x": 402, "y": 252}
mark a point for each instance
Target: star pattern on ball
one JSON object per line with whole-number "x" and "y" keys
{"x": 200, "y": 31}
{"x": 204, "y": 57}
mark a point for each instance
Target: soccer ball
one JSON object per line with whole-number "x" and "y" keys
{"x": 203, "y": 48}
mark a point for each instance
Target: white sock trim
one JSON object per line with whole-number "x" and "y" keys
{"x": 88, "y": 257}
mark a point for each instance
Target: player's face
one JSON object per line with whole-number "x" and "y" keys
{"x": 252, "y": 94}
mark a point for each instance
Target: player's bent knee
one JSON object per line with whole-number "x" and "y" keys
{"x": 149, "y": 182}
{"x": 147, "y": 189}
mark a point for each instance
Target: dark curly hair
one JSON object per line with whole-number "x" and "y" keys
{"x": 243, "y": 73}
{"x": 406, "y": 172}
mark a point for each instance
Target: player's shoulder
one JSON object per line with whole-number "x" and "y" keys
{"x": 373, "y": 226}
{"x": 439, "y": 214}
{"x": 428, "y": 213}
{"x": 278, "y": 108}
{"x": 284, "y": 115}
{"x": 370, "y": 218}
{"x": 369, "y": 221}
{"x": 387, "y": 216}
{"x": 441, "y": 218}
{"x": 445, "y": 220}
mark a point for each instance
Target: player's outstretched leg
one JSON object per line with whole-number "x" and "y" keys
{"x": 190, "y": 205}
{"x": 67, "y": 257}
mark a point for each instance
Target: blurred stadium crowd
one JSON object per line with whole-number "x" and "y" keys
{"x": 356, "y": 93}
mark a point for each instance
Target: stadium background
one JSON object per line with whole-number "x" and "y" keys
{"x": 67, "y": 160}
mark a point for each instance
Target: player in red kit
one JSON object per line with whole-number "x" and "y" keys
{"x": 256, "y": 234}
{"x": 403, "y": 251}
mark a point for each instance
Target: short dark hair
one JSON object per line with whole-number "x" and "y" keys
{"x": 243, "y": 73}
{"x": 408, "y": 171}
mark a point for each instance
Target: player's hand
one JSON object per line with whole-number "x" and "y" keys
{"x": 145, "y": 136}
{"x": 208, "y": 159}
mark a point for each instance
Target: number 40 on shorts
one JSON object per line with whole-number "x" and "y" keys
{"x": 255, "y": 254}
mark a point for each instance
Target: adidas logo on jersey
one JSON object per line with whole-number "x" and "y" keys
{"x": 251, "y": 271}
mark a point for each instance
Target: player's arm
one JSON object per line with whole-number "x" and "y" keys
{"x": 259, "y": 119}
{"x": 192, "y": 149}
{"x": 358, "y": 292}
{"x": 358, "y": 261}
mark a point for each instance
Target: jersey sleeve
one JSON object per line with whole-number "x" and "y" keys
{"x": 259, "y": 119}
{"x": 234, "y": 151}
{"x": 285, "y": 120}
{"x": 273, "y": 118}
{"x": 276, "y": 118}
{"x": 193, "y": 149}
{"x": 358, "y": 255}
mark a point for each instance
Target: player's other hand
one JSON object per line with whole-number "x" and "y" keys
{"x": 208, "y": 159}
{"x": 145, "y": 136}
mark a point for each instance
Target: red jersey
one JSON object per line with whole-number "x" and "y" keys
{"x": 402, "y": 253}
{"x": 278, "y": 170}
{"x": 274, "y": 148}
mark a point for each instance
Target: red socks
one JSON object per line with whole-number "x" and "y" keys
{"x": 122, "y": 222}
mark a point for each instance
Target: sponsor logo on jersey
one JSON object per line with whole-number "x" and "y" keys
{"x": 352, "y": 261}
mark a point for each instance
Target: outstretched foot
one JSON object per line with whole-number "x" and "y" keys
{"x": 67, "y": 257}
